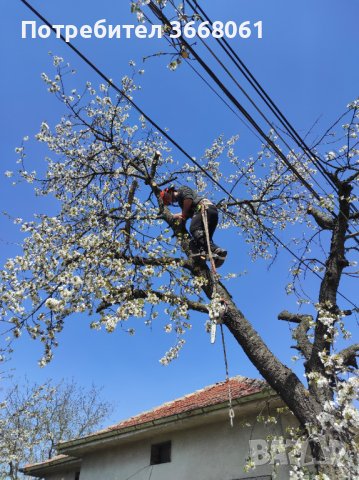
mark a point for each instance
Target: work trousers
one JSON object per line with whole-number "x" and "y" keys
{"x": 197, "y": 227}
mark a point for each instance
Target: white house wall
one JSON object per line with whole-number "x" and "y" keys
{"x": 208, "y": 452}
{"x": 63, "y": 476}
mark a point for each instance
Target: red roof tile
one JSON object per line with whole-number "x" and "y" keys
{"x": 211, "y": 395}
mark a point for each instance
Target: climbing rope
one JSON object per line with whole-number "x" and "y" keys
{"x": 214, "y": 274}
{"x": 208, "y": 240}
{"x": 217, "y": 320}
{"x": 231, "y": 411}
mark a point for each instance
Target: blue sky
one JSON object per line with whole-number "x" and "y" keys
{"x": 306, "y": 61}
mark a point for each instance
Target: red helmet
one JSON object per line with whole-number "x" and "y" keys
{"x": 166, "y": 196}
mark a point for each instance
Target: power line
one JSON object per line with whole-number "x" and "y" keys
{"x": 252, "y": 102}
{"x": 159, "y": 14}
{"x": 272, "y": 106}
{"x": 263, "y": 94}
{"x": 210, "y": 86}
{"x": 131, "y": 102}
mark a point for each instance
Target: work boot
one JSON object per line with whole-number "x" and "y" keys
{"x": 218, "y": 251}
{"x": 220, "y": 256}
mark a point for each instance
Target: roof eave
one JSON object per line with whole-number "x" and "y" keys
{"x": 39, "y": 470}
{"x": 75, "y": 446}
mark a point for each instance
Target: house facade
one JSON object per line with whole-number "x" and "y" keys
{"x": 190, "y": 438}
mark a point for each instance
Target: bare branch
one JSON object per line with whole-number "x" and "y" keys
{"x": 323, "y": 220}
{"x": 293, "y": 317}
{"x": 300, "y": 333}
{"x": 349, "y": 355}
{"x": 352, "y": 235}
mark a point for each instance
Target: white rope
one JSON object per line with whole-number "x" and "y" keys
{"x": 215, "y": 278}
{"x": 205, "y": 224}
{"x": 231, "y": 411}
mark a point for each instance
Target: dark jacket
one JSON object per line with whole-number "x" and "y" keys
{"x": 188, "y": 200}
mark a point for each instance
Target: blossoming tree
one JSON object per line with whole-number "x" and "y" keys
{"x": 34, "y": 418}
{"x": 116, "y": 252}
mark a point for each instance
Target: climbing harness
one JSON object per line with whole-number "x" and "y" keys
{"x": 218, "y": 319}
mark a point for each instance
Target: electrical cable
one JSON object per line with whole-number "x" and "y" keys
{"x": 269, "y": 102}
{"x": 130, "y": 101}
{"x": 159, "y": 14}
{"x": 252, "y": 102}
{"x": 211, "y": 87}
{"x": 262, "y": 93}
{"x": 244, "y": 112}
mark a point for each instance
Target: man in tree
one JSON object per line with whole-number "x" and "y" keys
{"x": 195, "y": 207}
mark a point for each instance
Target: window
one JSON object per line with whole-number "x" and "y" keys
{"x": 77, "y": 476}
{"x": 160, "y": 453}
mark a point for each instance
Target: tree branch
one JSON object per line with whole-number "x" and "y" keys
{"x": 164, "y": 297}
{"x": 300, "y": 333}
{"x": 293, "y": 317}
{"x": 131, "y": 196}
{"x": 323, "y": 220}
{"x": 351, "y": 235}
{"x": 153, "y": 261}
{"x": 335, "y": 264}
{"x": 349, "y": 355}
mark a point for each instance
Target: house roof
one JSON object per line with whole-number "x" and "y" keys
{"x": 204, "y": 399}
{"x": 58, "y": 460}
{"x": 211, "y": 395}
{"x": 210, "y": 398}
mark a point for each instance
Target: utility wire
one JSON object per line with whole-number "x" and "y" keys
{"x": 252, "y": 102}
{"x": 188, "y": 62}
{"x": 130, "y": 101}
{"x": 263, "y": 94}
{"x": 165, "y": 134}
{"x": 269, "y": 102}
